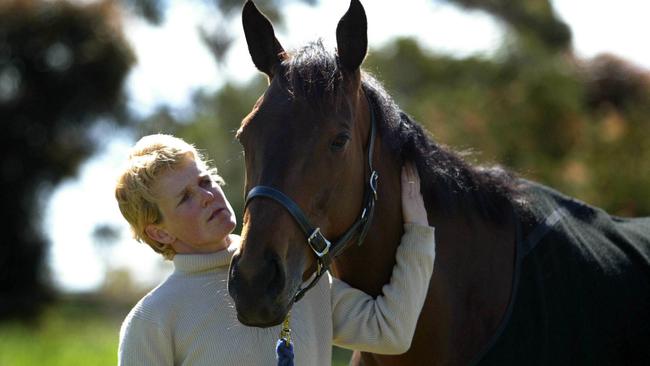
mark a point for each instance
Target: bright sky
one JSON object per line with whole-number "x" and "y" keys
{"x": 77, "y": 206}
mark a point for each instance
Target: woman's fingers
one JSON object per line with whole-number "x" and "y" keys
{"x": 413, "y": 208}
{"x": 410, "y": 177}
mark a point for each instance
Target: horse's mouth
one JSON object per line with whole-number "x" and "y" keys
{"x": 263, "y": 317}
{"x": 260, "y": 324}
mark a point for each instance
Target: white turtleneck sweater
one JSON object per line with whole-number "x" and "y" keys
{"x": 189, "y": 319}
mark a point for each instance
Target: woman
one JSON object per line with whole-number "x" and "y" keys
{"x": 173, "y": 202}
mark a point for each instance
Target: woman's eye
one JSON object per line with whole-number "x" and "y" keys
{"x": 184, "y": 198}
{"x": 340, "y": 141}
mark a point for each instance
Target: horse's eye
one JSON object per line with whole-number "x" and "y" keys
{"x": 340, "y": 141}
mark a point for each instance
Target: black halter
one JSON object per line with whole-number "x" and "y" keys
{"x": 325, "y": 250}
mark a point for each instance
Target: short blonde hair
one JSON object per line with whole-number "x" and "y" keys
{"x": 150, "y": 157}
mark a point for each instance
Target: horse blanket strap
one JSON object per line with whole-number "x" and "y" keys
{"x": 325, "y": 250}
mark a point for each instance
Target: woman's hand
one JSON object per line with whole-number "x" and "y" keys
{"x": 413, "y": 209}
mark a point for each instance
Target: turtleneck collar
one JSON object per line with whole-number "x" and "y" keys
{"x": 190, "y": 263}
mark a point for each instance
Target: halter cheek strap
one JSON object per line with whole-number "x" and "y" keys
{"x": 325, "y": 250}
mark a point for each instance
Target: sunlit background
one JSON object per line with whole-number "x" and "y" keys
{"x": 487, "y": 80}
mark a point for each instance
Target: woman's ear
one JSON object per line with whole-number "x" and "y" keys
{"x": 159, "y": 234}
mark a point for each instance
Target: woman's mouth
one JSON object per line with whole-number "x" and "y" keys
{"x": 215, "y": 213}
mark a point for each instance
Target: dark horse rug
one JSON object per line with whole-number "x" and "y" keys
{"x": 581, "y": 292}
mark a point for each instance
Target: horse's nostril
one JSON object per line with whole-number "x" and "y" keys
{"x": 275, "y": 276}
{"x": 255, "y": 280}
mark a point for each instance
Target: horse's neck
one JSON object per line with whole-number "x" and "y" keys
{"x": 471, "y": 284}
{"x": 472, "y": 279}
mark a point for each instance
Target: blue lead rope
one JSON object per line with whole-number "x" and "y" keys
{"x": 284, "y": 351}
{"x": 284, "y": 348}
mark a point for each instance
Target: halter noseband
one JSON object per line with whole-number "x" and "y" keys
{"x": 324, "y": 249}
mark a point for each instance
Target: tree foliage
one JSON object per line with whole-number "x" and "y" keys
{"x": 529, "y": 19}
{"x": 61, "y": 67}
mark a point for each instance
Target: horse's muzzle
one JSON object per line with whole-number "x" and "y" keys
{"x": 258, "y": 290}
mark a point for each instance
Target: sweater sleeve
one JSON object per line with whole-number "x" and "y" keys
{"x": 386, "y": 325}
{"x": 144, "y": 342}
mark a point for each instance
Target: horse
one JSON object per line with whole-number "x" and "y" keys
{"x": 523, "y": 274}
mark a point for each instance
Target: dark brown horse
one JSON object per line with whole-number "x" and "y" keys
{"x": 523, "y": 275}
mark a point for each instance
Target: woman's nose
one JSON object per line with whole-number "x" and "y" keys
{"x": 208, "y": 196}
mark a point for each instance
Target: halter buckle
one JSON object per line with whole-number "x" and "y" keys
{"x": 374, "y": 177}
{"x": 318, "y": 236}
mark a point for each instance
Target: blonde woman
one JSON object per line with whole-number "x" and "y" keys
{"x": 173, "y": 202}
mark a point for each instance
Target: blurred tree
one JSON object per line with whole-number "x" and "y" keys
{"x": 154, "y": 10}
{"x": 218, "y": 38}
{"x": 532, "y": 19}
{"x": 569, "y": 122}
{"x": 615, "y": 82}
{"x": 62, "y": 66}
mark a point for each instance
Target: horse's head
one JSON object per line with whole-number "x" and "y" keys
{"x": 307, "y": 137}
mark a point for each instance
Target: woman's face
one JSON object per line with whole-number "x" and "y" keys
{"x": 197, "y": 217}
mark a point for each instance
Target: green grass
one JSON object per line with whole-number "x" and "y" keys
{"x": 75, "y": 333}
{"x": 340, "y": 356}
{"x": 66, "y": 335}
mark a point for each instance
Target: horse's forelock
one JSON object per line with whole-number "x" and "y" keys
{"x": 313, "y": 76}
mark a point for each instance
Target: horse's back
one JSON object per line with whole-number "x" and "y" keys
{"x": 582, "y": 287}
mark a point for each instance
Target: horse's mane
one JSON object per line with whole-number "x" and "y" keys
{"x": 313, "y": 75}
{"x": 452, "y": 183}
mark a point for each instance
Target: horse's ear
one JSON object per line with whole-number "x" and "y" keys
{"x": 264, "y": 48}
{"x": 352, "y": 37}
